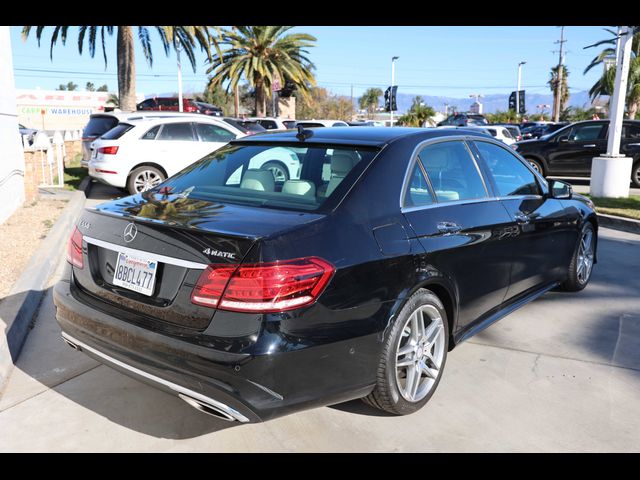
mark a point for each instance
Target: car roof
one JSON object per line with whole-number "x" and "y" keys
{"x": 373, "y": 136}
{"x": 163, "y": 121}
{"x": 140, "y": 114}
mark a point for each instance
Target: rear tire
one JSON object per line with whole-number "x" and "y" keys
{"x": 581, "y": 265}
{"x": 413, "y": 356}
{"x": 635, "y": 174}
{"x": 143, "y": 178}
{"x": 279, "y": 170}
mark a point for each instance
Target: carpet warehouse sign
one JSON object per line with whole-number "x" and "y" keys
{"x": 58, "y": 110}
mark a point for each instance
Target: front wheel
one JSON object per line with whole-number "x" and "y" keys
{"x": 582, "y": 261}
{"x": 280, "y": 171}
{"x": 413, "y": 356}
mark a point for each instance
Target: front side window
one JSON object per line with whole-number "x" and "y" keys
{"x": 268, "y": 124}
{"x": 452, "y": 172}
{"x": 510, "y": 175}
{"x": 176, "y": 132}
{"x": 242, "y": 173}
{"x": 213, "y": 133}
{"x": 584, "y": 133}
{"x": 631, "y": 132}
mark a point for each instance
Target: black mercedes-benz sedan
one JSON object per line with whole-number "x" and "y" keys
{"x": 252, "y": 298}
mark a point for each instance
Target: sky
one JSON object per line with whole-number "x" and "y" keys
{"x": 442, "y": 61}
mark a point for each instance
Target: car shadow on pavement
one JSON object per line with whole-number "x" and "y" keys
{"x": 48, "y": 366}
{"x": 358, "y": 407}
{"x": 600, "y": 323}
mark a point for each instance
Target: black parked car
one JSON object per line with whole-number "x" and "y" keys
{"x": 464, "y": 120}
{"x": 250, "y": 298}
{"x": 537, "y": 131}
{"x": 569, "y": 151}
{"x": 248, "y": 127}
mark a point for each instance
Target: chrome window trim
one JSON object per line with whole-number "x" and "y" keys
{"x": 431, "y": 141}
{"x": 173, "y": 386}
{"x": 471, "y": 200}
{"x": 132, "y": 251}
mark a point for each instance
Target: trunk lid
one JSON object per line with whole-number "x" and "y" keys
{"x": 182, "y": 236}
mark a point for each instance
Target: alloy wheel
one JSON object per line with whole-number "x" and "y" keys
{"x": 278, "y": 173}
{"x": 420, "y": 353}
{"x": 585, "y": 256}
{"x": 145, "y": 180}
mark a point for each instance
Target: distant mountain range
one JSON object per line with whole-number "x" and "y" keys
{"x": 490, "y": 103}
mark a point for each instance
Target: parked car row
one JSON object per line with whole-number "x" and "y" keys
{"x": 171, "y": 104}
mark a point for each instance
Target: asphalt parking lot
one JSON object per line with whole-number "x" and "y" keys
{"x": 560, "y": 374}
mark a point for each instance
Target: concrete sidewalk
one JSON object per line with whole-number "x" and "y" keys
{"x": 561, "y": 374}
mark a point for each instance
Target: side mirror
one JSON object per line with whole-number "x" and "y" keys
{"x": 560, "y": 190}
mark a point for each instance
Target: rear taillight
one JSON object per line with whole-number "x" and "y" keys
{"x": 108, "y": 150}
{"x": 264, "y": 287}
{"x": 74, "y": 249}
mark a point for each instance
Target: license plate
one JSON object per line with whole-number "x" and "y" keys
{"x": 136, "y": 273}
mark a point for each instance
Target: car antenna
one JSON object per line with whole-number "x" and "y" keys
{"x": 303, "y": 134}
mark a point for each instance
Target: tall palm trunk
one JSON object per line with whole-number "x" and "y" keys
{"x": 126, "y": 68}
{"x": 261, "y": 104}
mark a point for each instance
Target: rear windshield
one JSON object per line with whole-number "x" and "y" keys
{"x": 99, "y": 125}
{"x": 293, "y": 177}
{"x": 117, "y": 131}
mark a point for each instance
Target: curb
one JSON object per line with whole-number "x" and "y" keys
{"x": 21, "y": 304}
{"x": 619, "y": 223}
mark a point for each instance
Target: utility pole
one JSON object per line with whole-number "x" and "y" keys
{"x": 557, "y": 103}
{"x": 352, "y": 100}
{"x": 236, "y": 101}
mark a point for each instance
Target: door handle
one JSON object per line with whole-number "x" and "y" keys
{"x": 449, "y": 227}
{"x": 522, "y": 218}
{"x": 591, "y": 145}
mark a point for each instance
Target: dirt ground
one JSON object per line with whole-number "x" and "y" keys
{"x": 20, "y": 236}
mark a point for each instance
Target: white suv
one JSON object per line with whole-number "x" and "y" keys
{"x": 140, "y": 154}
{"x": 500, "y": 133}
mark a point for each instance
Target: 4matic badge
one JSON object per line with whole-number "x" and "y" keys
{"x": 217, "y": 253}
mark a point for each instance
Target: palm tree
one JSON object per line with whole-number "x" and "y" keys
{"x": 605, "y": 84}
{"x": 369, "y": 100}
{"x": 418, "y": 114}
{"x": 553, "y": 85}
{"x": 261, "y": 55}
{"x": 184, "y": 37}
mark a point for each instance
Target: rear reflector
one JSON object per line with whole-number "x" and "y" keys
{"x": 263, "y": 287}
{"x": 74, "y": 249}
{"x": 106, "y": 171}
{"x": 108, "y": 150}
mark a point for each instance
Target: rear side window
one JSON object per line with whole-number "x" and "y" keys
{"x": 509, "y": 173}
{"x": 176, "y": 132}
{"x": 631, "y": 132}
{"x": 117, "y": 131}
{"x": 309, "y": 124}
{"x": 289, "y": 123}
{"x": 250, "y": 174}
{"x": 452, "y": 172}
{"x": 418, "y": 192}
{"x": 151, "y": 133}
{"x": 99, "y": 125}
{"x": 213, "y": 133}
{"x": 268, "y": 124}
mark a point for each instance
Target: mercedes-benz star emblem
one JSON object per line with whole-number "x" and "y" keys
{"x": 130, "y": 232}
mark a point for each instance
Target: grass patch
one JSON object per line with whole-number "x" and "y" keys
{"x": 73, "y": 173}
{"x": 628, "y": 207}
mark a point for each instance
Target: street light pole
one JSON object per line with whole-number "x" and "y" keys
{"x": 180, "y": 108}
{"x": 393, "y": 81}
{"x": 610, "y": 173}
{"x": 518, "y": 90}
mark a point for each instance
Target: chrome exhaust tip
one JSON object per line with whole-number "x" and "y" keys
{"x": 71, "y": 344}
{"x": 207, "y": 408}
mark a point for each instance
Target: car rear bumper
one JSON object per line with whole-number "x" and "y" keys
{"x": 97, "y": 171}
{"x": 244, "y": 387}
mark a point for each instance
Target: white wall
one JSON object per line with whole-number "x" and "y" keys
{"x": 11, "y": 155}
